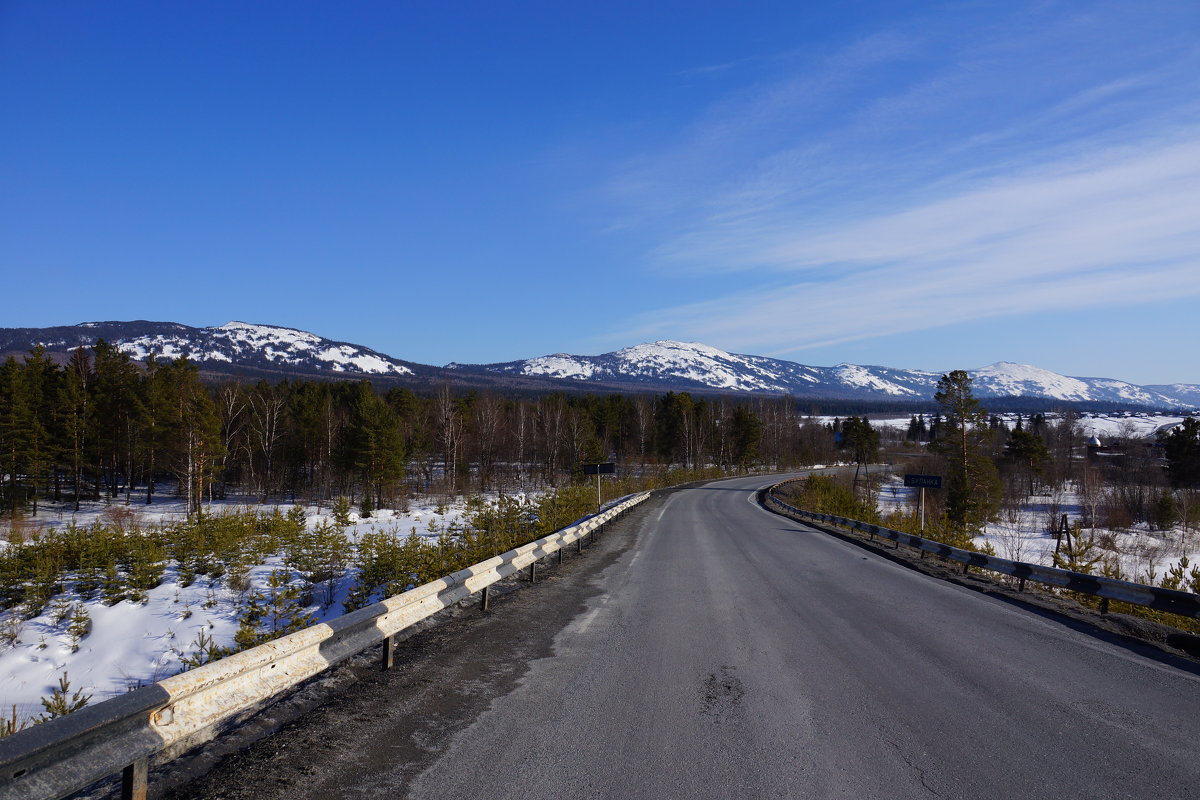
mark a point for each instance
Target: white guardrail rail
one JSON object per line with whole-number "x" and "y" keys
{"x": 1176, "y": 602}
{"x": 64, "y": 755}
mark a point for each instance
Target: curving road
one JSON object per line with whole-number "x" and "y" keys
{"x": 736, "y": 653}
{"x": 728, "y": 652}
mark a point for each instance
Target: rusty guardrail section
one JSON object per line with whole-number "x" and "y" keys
{"x": 64, "y": 755}
{"x": 1176, "y": 602}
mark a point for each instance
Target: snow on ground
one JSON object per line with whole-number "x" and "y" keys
{"x": 1125, "y": 425}
{"x": 1024, "y": 534}
{"x": 1131, "y": 426}
{"x": 854, "y": 375}
{"x": 133, "y": 644}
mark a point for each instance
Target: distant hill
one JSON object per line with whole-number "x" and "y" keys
{"x": 689, "y": 365}
{"x": 267, "y": 351}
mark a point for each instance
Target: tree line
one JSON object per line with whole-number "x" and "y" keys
{"x": 104, "y": 425}
{"x": 991, "y": 469}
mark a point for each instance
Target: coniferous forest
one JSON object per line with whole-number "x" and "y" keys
{"x": 105, "y": 426}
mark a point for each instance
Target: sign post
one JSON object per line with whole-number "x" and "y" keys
{"x": 606, "y": 468}
{"x": 923, "y": 482}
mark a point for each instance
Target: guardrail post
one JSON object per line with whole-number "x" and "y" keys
{"x": 560, "y": 555}
{"x": 533, "y": 572}
{"x": 134, "y": 780}
{"x": 579, "y": 545}
{"x": 1103, "y": 605}
{"x": 389, "y": 650}
{"x": 483, "y": 599}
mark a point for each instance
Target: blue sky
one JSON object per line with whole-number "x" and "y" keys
{"x": 906, "y": 184}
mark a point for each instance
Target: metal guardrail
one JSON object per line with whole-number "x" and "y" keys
{"x": 1176, "y": 602}
{"x": 67, "y": 754}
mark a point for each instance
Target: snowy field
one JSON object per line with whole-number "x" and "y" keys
{"x": 1024, "y": 534}
{"x": 133, "y": 643}
{"x": 1126, "y": 425}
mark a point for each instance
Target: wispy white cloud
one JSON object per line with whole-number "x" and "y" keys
{"x": 1073, "y": 235}
{"x": 915, "y": 180}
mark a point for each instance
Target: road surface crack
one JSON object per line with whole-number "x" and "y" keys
{"x": 915, "y": 768}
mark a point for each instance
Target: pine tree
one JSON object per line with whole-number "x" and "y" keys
{"x": 39, "y": 387}
{"x": 1029, "y": 451}
{"x": 372, "y": 445}
{"x": 158, "y": 403}
{"x": 275, "y": 612}
{"x": 205, "y": 651}
{"x": 321, "y": 555}
{"x": 341, "y": 510}
{"x": 80, "y": 625}
{"x": 194, "y": 431}
{"x": 75, "y": 402}
{"x": 11, "y": 724}
{"x": 1182, "y": 449}
{"x": 973, "y": 487}
{"x": 14, "y": 432}
{"x": 120, "y": 413}
{"x": 112, "y": 589}
{"x": 746, "y": 432}
{"x": 1077, "y": 552}
{"x": 63, "y": 701}
{"x": 1165, "y": 514}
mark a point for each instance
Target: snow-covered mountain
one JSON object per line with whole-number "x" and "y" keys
{"x": 666, "y": 361}
{"x": 269, "y": 350}
{"x": 235, "y": 344}
{"x": 689, "y": 365}
{"x": 1187, "y": 393}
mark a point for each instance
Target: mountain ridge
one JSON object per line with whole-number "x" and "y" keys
{"x": 256, "y": 349}
{"x": 705, "y": 367}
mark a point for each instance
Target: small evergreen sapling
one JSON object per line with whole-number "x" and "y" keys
{"x": 273, "y": 613}
{"x": 1077, "y": 552}
{"x": 11, "y": 724}
{"x": 341, "y": 511}
{"x": 80, "y": 626}
{"x": 63, "y": 701}
{"x": 205, "y": 651}
{"x": 60, "y": 608}
{"x": 11, "y": 627}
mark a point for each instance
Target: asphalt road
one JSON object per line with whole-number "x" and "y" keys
{"x": 718, "y": 650}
